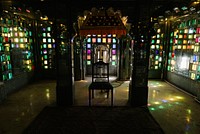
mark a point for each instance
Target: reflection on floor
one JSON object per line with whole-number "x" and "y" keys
{"x": 175, "y": 111}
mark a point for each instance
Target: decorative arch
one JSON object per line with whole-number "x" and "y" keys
{"x": 102, "y": 22}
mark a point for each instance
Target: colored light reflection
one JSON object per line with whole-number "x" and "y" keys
{"x": 165, "y": 101}
{"x": 161, "y": 107}
{"x": 152, "y": 109}
{"x": 189, "y": 111}
{"x": 156, "y": 102}
{"x": 179, "y": 97}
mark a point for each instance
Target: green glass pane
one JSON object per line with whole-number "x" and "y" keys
{"x": 181, "y": 31}
{"x": 21, "y": 40}
{"x": 30, "y": 40}
{"x": 89, "y": 40}
{"x": 44, "y": 34}
{"x": 1, "y": 58}
{"x": 1, "y": 39}
{"x": 49, "y": 40}
{"x": 194, "y": 22}
{"x": 113, "y": 63}
{"x": 44, "y": 45}
{"x": 171, "y": 41}
{"x": 48, "y": 28}
{"x": 157, "y": 57}
{"x": 152, "y": 41}
{"x": 180, "y": 42}
{"x": 88, "y": 62}
{"x": 168, "y": 68}
{"x": 198, "y": 77}
{"x": 45, "y": 57}
{"x": 9, "y": 75}
{"x": 8, "y": 57}
{"x": 159, "y": 65}
{"x": 5, "y": 30}
{"x": 172, "y": 34}
{"x": 10, "y": 22}
{"x": 30, "y": 33}
{"x": 198, "y": 68}
{"x": 26, "y": 33}
{"x": 4, "y": 77}
{"x": 114, "y": 40}
{"x": 9, "y": 66}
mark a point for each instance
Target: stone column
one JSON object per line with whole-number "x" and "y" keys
{"x": 65, "y": 78}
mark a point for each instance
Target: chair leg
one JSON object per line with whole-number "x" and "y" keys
{"x": 112, "y": 97}
{"x": 89, "y": 97}
{"x": 107, "y": 93}
{"x": 92, "y": 93}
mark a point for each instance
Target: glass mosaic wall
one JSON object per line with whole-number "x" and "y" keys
{"x": 15, "y": 47}
{"x": 184, "y": 49}
{"x": 47, "y": 47}
{"x": 109, "y": 40}
{"x": 156, "y": 51}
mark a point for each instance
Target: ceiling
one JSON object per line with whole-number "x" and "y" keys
{"x": 69, "y": 10}
{"x": 64, "y": 9}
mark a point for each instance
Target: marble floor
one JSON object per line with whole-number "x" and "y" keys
{"x": 175, "y": 111}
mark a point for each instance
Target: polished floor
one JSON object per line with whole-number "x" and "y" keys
{"x": 175, "y": 111}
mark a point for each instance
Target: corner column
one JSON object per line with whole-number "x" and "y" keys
{"x": 65, "y": 77}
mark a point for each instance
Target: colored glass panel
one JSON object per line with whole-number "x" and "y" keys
{"x": 113, "y": 63}
{"x": 114, "y": 40}
{"x": 104, "y": 40}
{"x": 93, "y": 40}
{"x": 88, "y": 45}
{"x": 88, "y": 51}
{"x": 99, "y": 40}
{"x": 109, "y": 40}
{"x": 89, "y": 40}
{"x": 88, "y": 57}
{"x": 88, "y": 62}
{"x": 113, "y": 52}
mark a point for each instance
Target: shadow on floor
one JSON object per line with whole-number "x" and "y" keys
{"x": 94, "y": 120}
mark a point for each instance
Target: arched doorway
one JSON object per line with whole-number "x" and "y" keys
{"x": 102, "y": 33}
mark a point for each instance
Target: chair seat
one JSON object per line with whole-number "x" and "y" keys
{"x": 100, "y": 85}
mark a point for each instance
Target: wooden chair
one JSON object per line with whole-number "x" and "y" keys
{"x": 100, "y": 80}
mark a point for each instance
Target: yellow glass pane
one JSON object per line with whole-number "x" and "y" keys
{"x": 45, "y": 62}
{"x": 190, "y": 36}
{"x": 104, "y": 40}
{"x": 192, "y": 47}
{"x": 158, "y": 30}
{"x": 44, "y": 40}
{"x": 156, "y": 62}
{"x": 114, "y": 57}
{"x": 16, "y": 40}
{"x": 180, "y": 36}
{"x": 152, "y": 46}
{"x": 49, "y": 46}
{"x": 21, "y": 45}
{"x": 186, "y": 31}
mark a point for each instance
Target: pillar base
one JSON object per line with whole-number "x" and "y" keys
{"x": 138, "y": 96}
